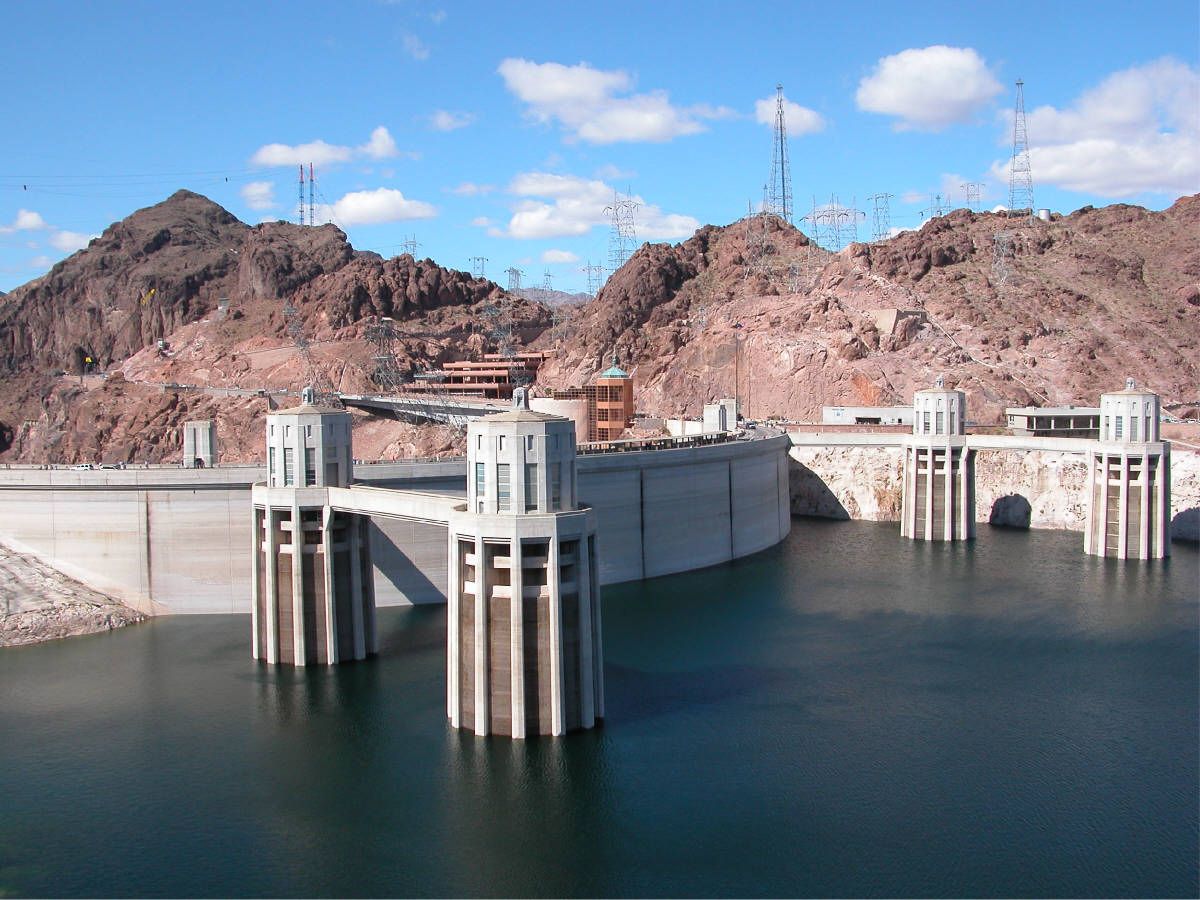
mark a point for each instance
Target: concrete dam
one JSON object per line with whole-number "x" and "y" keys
{"x": 179, "y": 541}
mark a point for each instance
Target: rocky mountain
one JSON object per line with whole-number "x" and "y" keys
{"x": 182, "y": 294}
{"x": 1012, "y": 311}
{"x": 213, "y": 291}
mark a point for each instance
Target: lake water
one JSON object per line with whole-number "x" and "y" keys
{"x": 848, "y": 713}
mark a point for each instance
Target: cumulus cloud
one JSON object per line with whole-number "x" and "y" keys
{"x": 379, "y": 146}
{"x": 799, "y": 119}
{"x": 928, "y": 89}
{"x": 583, "y": 101}
{"x": 70, "y": 241}
{"x": 26, "y": 220}
{"x": 259, "y": 195}
{"x": 414, "y": 46}
{"x": 1137, "y": 131}
{"x": 443, "y": 120}
{"x": 376, "y": 207}
{"x": 614, "y": 173}
{"x": 566, "y": 205}
{"x": 559, "y": 256}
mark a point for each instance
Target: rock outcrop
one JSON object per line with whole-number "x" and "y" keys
{"x": 1011, "y": 311}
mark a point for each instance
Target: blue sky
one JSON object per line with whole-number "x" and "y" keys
{"x": 502, "y": 130}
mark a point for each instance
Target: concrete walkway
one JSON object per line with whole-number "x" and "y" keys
{"x": 39, "y": 604}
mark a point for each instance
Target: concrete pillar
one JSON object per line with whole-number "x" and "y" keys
{"x": 516, "y": 631}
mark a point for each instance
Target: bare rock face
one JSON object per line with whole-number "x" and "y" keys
{"x": 1077, "y": 305}
{"x": 188, "y": 274}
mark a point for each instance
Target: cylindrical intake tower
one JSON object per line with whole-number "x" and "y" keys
{"x": 313, "y": 596}
{"x": 1129, "y": 480}
{"x": 939, "y": 469}
{"x": 523, "y": 637}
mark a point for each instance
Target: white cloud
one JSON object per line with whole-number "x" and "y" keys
{"x": 1137, "y": 131}
{"x": 482, "y": 222}
{"x": 259, "y": 195}
{"x": 567, "y": 206}
{"x": 380, "y": 145}
{"x": 318, "y": 153}
{"x": 913, "y": 197}
{"x": 375, "y": 207}
{"x": 471, "y": 189}
{"x": 26, "y": 220}
{"x": 583, "y": 102}
{"x": 799, "y": 119}
{"x": 442, "y": 120}
{"x": 41, "y": 262}
{"x": 70, "y": 241}
{"x": 437, "y": 17}
{"x": 928, "y": 89}
{"x": 559, "y": 256}
{"x": 414, "y": 46}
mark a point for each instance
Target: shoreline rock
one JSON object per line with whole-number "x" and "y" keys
{"x": 38, "y": 603}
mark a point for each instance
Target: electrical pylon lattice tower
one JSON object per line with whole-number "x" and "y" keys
{"x": 622, "y": 239}
{"x": 1002, "y": 252}
{"x": 410, "y": 245}
{"x": 779, "y": 189}
{"x": 595, "y": 277}
{"x": 477, "y": 264}
{"x": 514, "y": 279}
{"x": 973, "y": 190}
{"x": 883, "y": 216}
{"x": 312, "y": 205}
{"x": 546, "y": 284}
{"x": 301, "y": 201}
{"x": 1020, "y": 175}
{"x": 382, "y": 335}
{"x": 314, "y": 376}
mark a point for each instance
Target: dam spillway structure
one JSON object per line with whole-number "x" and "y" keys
{"x": 1129, "y": 477}
{"x": 524, "y": 651}
{"x": 199, "y": 444}
{"x": 939, "y": 469}
{"x": 311, "y": 584}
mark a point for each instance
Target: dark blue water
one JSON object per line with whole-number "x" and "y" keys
{"x": 846, "y": 714}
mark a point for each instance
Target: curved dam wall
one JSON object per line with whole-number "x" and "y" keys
{"x": 179, "y": 540}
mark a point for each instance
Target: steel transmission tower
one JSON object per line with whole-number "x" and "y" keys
{"x": 779, "y": 190}
{"x": 622, "y": 239}
{"x": 1020, "y": 176}
{"x": 477, "y": 264}
{"x": 312, "y": 186}
{"x": 382, "y": 335}
{"x": 301, "y": 203}
{"x": 973, "y": 190}
{"x": 514, "y": 279}
{"x": 595, "y": 277}
{"x": 410, "y": 245}
{"x": 546, "y": 285}
{"x": 883, "y": 216}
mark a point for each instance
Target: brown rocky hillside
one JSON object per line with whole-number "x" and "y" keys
{"x": 159, "y": 275}
{"x": 1089, "y": 299}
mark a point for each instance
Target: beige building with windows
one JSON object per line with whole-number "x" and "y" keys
{"x": 524, "y": 650}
